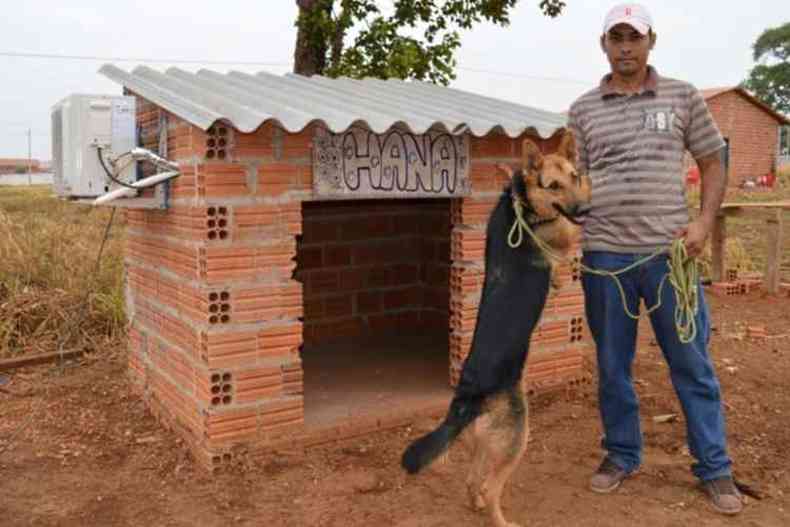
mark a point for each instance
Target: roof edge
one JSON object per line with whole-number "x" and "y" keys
{"x": 203, "y": 115}
{"x": 717, "y": 92}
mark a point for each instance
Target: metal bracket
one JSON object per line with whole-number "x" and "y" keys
{"x": 129, "y": 197}
{"x": 159, "y": 201}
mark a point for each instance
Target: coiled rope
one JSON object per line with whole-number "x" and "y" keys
{"x": 682, "y": 273}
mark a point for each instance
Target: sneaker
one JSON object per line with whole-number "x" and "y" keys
{"x": 607, "y": 478}
{"x": 723, "y": 494}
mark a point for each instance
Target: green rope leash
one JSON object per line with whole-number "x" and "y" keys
{"x": 683, "y": 275}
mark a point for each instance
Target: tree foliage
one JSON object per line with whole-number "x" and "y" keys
{"x": 385, "y": 44}
{"x": 769, "y": 80}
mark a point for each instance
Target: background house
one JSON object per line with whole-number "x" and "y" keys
{"x": 752, "y": 130}
{"x": 17, "y": 166}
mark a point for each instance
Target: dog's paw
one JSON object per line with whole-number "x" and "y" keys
{"x": 476, "y": 501}
{"x": 500, "y": 523}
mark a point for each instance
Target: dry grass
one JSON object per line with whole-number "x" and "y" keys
{"x": 51, "y": 296}
{"x": 783, "y": 175}
{"x": 736, "y": 256}
{"x": 751, "y": 227}
{"x": 746, "y": 234}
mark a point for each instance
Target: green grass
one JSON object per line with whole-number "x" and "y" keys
{"x": 51, "y": 295}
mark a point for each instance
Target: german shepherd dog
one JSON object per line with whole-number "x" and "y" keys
{"x": 517, "y": 280}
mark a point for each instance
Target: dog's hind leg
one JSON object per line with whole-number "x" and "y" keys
{"x": 506, "y": 443}
{"x": 474, "y": 481}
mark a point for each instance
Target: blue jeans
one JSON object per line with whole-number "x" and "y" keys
{"x": 690, "y": 366}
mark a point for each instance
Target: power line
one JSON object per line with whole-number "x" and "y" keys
{"x": 8, "y": 126}
{"x": 15, "y": 127}
{"x": 261, "y": 63}
{"x": 523, "y": 76}
{"x": 24, "y": 134}
{"x": 14, "y": 123}
{"x": 133, "y": 59}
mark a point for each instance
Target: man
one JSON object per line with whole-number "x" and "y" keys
{"x": 632, "y": 132}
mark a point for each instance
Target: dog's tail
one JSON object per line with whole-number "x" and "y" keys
{"x": 426, "y": 449}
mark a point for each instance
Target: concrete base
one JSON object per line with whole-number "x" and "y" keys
{"x": 354, "y": 380}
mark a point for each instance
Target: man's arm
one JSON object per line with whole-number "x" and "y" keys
{"x": 703, "y": 139}
{"x": 581, "y": 141}
{"x": 714, "y": 185}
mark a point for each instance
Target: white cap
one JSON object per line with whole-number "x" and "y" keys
{"x": 634, "y": 15}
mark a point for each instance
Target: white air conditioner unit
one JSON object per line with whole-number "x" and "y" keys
{"x": 83, "y": 126}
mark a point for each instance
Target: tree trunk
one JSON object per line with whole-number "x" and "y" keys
{"x": 311, "y": 46}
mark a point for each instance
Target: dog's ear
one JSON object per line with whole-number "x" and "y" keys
{"x": 531, "y": 156}
{"x": 506, "y": 169}
{"x": 567, "y": 147}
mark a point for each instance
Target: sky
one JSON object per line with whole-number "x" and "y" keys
{"x": 536, "y": 61}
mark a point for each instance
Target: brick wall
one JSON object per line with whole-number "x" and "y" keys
{"x": 560, "y": 339}
{"x": 374, "y": 266}
{"x": 214, "y": 310}
{"x": 752, "y": 134}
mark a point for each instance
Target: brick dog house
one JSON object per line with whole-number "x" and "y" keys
{"x": 317, "y": 270}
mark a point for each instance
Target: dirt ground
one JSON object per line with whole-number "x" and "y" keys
{"x": 78, "y": 449}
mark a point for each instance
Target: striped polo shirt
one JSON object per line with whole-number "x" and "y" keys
{"x": 632, "y": 147}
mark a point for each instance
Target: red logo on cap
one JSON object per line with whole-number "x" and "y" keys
{"x": 627, "y": 11}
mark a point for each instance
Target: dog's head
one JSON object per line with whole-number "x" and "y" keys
{"x": 552, "y": 185}
{"x": 555, "y": 192}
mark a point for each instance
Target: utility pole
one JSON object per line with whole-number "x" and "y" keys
{"x": 29, "y": 158}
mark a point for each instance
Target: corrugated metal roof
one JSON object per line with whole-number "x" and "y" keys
{"x": 294, "y": 101}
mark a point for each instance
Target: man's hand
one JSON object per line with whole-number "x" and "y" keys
{"x": 714, "y": 185}
{"x": 695, "y": 236}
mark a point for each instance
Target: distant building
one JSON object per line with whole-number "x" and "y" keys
{"x": 16, "y": 166}
{"x": 752, "y": 130}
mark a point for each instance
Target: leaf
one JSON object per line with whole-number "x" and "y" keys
{"x": 415, "y": 39}
{"x": 769, "y": 80}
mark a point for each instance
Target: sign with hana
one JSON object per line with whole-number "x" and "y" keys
{"x": 360, "y": 164}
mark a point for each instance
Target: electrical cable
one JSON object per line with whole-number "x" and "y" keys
{"x": 136, "y": 59}
{"x": 109, "y": 174}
